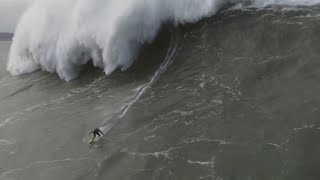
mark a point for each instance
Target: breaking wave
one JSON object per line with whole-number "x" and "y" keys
{"x": 60, "y": 36}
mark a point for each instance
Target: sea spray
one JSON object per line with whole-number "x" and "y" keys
{"x": 62, "y": 35}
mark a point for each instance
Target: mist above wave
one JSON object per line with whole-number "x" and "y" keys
{"x": 62, "y": 35}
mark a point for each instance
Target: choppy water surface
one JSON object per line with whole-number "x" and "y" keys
{"x": 234, "y": 97}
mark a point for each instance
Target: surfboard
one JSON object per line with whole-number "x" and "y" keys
{"x": 95, "y": 140}
{"x": 105, "y": 130}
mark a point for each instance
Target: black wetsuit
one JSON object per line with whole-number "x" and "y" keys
{"x": 96, "y": 133}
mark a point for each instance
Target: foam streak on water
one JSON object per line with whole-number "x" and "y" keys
{"x": 174, "y": 46}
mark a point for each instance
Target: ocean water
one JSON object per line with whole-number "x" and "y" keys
{"x": 234, "y": 96}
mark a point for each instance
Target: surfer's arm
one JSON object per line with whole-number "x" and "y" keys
{"x": 101, "y": 131}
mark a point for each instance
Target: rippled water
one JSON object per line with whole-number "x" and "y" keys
{"x": 235, "y": 96}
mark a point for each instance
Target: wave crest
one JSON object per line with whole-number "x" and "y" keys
{"x": 61, "y": 36}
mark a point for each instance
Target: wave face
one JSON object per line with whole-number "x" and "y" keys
{"x": 60, "y": 36}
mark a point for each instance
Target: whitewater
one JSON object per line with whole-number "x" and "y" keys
{"x": 61, "y": 36}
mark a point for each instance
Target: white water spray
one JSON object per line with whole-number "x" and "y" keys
{"x": 62, "y": 35}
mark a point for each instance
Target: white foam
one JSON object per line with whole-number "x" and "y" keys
{"x": 62, "y": 35}
{"x": 262, "y": 3}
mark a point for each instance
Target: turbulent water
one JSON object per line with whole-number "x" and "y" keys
{"x": 234, "y": 96}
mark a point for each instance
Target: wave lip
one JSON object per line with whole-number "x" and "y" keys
{"x": 60, "y": 36}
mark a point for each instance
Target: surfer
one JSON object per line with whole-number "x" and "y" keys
{"x": 96, "y": 133}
